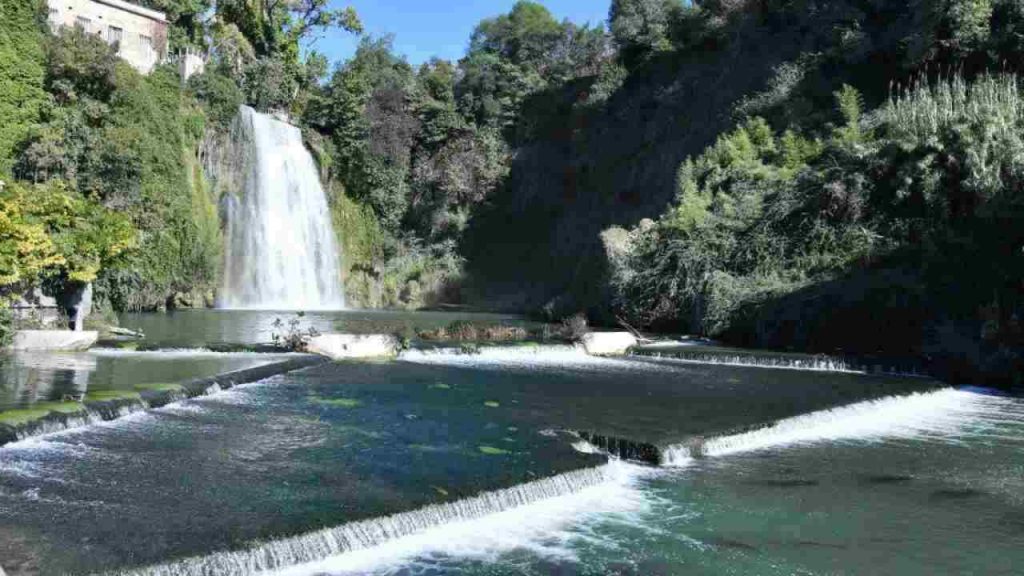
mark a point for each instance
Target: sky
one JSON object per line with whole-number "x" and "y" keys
{"x": 427, "y": 28}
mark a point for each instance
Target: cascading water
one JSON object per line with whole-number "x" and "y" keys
{"x": 364, "y": 534}
{"x": 281, "y": 252}
{"x": 718, "y": 357}
{"x": 938, "y": 413}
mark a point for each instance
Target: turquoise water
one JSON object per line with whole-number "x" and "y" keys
{"x": 446, "y": 463}
{"x": 945, "y": 496}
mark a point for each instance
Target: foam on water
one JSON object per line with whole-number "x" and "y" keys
{"x": 547, "y": 528}
{"x": 179, "y": 353}
{"x": 509, "y": 517}
{"x": 693, "y": 355}
{"x": 541, "y": 357}
{"x": 942, "y": 413}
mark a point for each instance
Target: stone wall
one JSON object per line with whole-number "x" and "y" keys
{"x": 140, "y": 33}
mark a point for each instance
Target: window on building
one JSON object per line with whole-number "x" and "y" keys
{"x": 147, "y": 45}
{"x": 83, "y": 22}
{"x": 115, "y": 35}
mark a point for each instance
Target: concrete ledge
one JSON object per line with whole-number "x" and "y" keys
{"x": 61, "y": 340}
{"x": 102, "y": 406}
{"x": 608, "y": 343}
{"x": 347, "y": 346}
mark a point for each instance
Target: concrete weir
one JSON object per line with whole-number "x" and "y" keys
{"x": 608, "y": 343}
{"x": 53, "y": 340}
{"x": 69, "y": 415}
{"x": 351, "y": 346}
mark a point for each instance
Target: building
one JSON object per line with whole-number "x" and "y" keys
{"x": 139, "y": 33}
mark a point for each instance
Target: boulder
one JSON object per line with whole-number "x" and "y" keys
{"x": 58, "y": 340}
{"x": 608, "y": 343}
{"x": 345, "y": 346}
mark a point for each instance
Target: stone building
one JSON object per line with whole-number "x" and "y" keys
{"x": 139, "y": 33}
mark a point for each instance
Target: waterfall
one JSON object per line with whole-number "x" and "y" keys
{"x": 281, "y": 252}
{"x": 364, "y": 534}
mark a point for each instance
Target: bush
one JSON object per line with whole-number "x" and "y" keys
{"x": 219, "y": 95}
{"x": 291, "y": 335}
{"x": 575, "y": 327}
{"x": 464, "y": 331}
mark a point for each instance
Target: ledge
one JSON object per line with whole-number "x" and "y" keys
{"x": 55, "y": 340}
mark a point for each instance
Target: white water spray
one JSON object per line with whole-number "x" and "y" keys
{"x": 281, "y": 252}
{"x": 942, "y": 413}
{"x": 366, "y": 534}
{"x": 696, "y": 355}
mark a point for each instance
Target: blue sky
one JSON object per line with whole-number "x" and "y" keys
{"x": 426, "y": 28}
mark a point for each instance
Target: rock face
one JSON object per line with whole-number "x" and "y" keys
{"x": 608, "y": 343}
{"x": 345, "y": 346}
{"x": 62, "y": 340}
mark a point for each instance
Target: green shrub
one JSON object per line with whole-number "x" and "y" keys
{"x": 219, "y": 95}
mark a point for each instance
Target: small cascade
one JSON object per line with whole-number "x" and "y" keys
{"x": 939, "y": 413}
{"x": 90, "y": 413}
{"x": 364, "y": 534}
{"x": 701, "y": 355}
{"x": 546, "y": 353}
{"x": 281, "y": 252}
{"x": 528, "y": 357}
{"x": 618, "y": 447}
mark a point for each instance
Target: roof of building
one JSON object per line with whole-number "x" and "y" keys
{"x": 135, "y": 9}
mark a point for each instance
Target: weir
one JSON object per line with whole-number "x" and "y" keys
{"x": 95, "y": 411}
{"x": 280, "y": 249}
{"x": 445, "y": 391}
{"x": 816, "y": 363}
{"x": 940, "y": 411}
{"x": 364, "y": 534}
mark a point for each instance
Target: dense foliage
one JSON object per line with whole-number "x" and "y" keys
{"x": 929, "y": 183}
{"x": 22, "y": 67}
{"x": 763, "y": 171}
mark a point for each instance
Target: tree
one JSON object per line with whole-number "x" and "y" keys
{"x": 518, "y": 54}
{"x": 80, "y": 66}
{"x": 50, "y": 230}
{"x": 186, "y": 18}
{"x": 641, "y": 27}
{"x": 275, "y": 26}
{"x": 368, "y": 110}
{"x": 526, "y": 35}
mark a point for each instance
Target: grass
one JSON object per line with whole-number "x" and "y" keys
{"x": 38, "y": 411}
{"x": 336, "y": 402}
{"x": 159, "y": 387}
{"x": 108, "y": 395}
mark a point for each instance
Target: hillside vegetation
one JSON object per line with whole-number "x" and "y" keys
{"x": 806, "y": 174}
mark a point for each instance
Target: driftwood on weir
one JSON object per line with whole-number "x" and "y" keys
{"x": 636, "y": 333}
